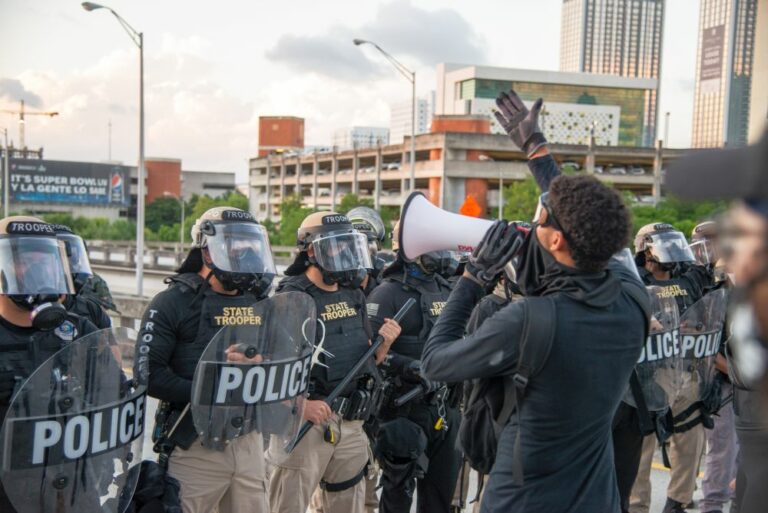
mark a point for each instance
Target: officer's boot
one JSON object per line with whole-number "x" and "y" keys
{"x": 672, "y": 506}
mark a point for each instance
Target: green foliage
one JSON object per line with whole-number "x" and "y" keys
{"x": 292, "y": 213}
{"x": 520, "y": 200}
{"x": 682, "y": 215}
{"x": 162, "y": 212}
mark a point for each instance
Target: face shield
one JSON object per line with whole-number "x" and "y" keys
{"x": 32, "y": 265}
{"x": 704, "y": 251}
{"x": 79, "y": 265}
{"x": 669, "y": 247}
{"x": 241, "y": 248}
{"x": 338, "y": 252}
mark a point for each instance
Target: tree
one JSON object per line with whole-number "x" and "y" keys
{"x": 350, "y": 201}
{"x": 161, "y": 212}
{"x": 292, "y": 213}
{"x": 520, "y": 200}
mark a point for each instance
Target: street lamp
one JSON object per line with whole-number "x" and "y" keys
{"x": 6, "y": 176}
{"x": 486, "y": 158}
{"x": 138, "y": 40}
{"x": 181, "y": 202}
{"x": 411, "y": 77}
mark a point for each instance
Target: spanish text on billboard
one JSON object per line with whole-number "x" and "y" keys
{"x": 52, "y": 181}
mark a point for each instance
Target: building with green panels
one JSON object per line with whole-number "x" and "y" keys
{"x": 459, "y": 85}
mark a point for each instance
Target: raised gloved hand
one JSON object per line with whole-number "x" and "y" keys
{"x": 521, "y": 124}
{"x": 500, "y": 244}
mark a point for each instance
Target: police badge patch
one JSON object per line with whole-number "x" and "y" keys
{"x": 66, "y": 331}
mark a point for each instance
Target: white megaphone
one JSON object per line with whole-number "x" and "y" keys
{"x": 425, "y": 227}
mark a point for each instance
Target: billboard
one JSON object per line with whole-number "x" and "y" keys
{"x": 711, "y": 65}
{"x": 55, "y": 181}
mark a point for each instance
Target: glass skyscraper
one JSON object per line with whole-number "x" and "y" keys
{"x": 724, "y": 73}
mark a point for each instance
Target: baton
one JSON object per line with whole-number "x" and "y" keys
{"x": 410, "y": 395}
{"x": 350, "y": 375}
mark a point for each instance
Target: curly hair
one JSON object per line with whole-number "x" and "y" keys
{"x": 596, "y": 221}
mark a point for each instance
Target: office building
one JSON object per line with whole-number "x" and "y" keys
{"x": 724, "y": 73}
{"x": 619, "y": 110}
{"x": 279, "y": 134}
{"x": 400, "y": 118}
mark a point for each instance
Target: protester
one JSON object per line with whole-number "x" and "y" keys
{"x": 740, "y": 174}
{"x": 552, "y": 456}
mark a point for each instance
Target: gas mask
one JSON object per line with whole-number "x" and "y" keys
{"x": 45, "y": 311}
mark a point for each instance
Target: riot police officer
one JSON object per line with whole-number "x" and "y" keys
{"x": 334, "y": 453}
{"x": 665, "y": 260}
{"x": 229, "y": 266}
{"x": 33, "y": 323}
{"x": 80, "y": 270}
{"x": 416, "y": 443}
{"x": 368, "y": 222}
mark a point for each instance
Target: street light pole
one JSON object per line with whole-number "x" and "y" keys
{"x": 6, "y": 176}
{"x": 411, "y": 77}
{"x": 138, "y": 39}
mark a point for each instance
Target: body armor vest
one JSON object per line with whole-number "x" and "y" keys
{"x": 431, "y": 303}
{"x": 346, "y": 337}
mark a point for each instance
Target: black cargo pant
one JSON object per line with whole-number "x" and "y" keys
{"x": 434, "y": 491}
{"x": 627, "y": 450}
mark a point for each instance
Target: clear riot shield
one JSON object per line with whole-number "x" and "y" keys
{"x": 73, "y": 434}
{"x": 660, "y": 368}
{"x": 254, "y": 378}
{"x": 701, "y": 331}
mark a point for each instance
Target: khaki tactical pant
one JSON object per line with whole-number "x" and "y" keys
{"x": 229, "y": 481}
{"x": 371, "y": 497}
{"x": 293, "y": 479}
{"x": 684, "y": 453}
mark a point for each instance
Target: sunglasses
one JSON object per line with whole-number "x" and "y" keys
{"x": 551, "y": 220}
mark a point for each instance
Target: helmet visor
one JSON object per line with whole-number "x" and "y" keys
{"x": 342, "y": 252}
{"x": 367, "y": 221}
{"x": 670, "y": 247}
{"x": 704, "y": 252}
{"x": 76, "y": 254}
{"x": 241, "y": 248}
{"x": 34, "y": 265}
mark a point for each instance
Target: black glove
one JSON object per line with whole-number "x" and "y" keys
{"x": 521, "y": 124}
{"x": 413, "y": 370}
{"x": 500, "y": 244}
{"x": 7, "y": 384}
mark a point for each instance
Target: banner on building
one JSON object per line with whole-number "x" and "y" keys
{"x": 53, "y": 181}
{"x": 711, "y": 66}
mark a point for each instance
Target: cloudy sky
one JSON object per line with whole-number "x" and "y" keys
{"x": 212, "y": 68}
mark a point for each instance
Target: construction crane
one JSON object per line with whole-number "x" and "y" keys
{"x": 22, "y": 113}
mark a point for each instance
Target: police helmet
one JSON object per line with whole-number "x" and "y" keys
{"x": 34, "y": 269}
{"x": 238, "y": 249}
{"x": 665, "y": 244}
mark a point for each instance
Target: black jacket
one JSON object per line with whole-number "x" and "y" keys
{"x": 87, "y": 307}
{"x": 565, "y": 417}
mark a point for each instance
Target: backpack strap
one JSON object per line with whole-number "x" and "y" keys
{"x": 639, "y": 295}
{"x": 539, "y": 316}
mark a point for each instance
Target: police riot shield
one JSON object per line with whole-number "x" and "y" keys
{"x": 72, "y": 438}
{"x": 659, "y": 368}
{"x": 253, "y": 377}
{"x": 701, "y": 331}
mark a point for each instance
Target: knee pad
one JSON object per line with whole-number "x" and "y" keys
{"x": 400, "y": 449}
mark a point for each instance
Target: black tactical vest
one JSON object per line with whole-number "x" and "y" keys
{"x": 431, "y": 304}
{"x": 679, "y": 288}
{"x": 346, "y": 337}
{"x": 212, "y": 317}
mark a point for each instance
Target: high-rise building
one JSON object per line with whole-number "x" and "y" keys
{"x": 360, "y": 136}
{"x": 758, "y": 109}
{"x": 400, "y": 118}
{"x": 612, "y": 37}
{"x": 724, "y": 73}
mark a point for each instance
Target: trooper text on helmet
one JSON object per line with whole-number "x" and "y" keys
{"x": 328, "y": 241}
{"x": 236, "y": 249}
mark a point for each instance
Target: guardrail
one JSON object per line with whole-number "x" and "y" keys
{"x": 161, "y": 256}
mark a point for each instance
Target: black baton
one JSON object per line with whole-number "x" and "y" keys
{"x": 350, "y": 375}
